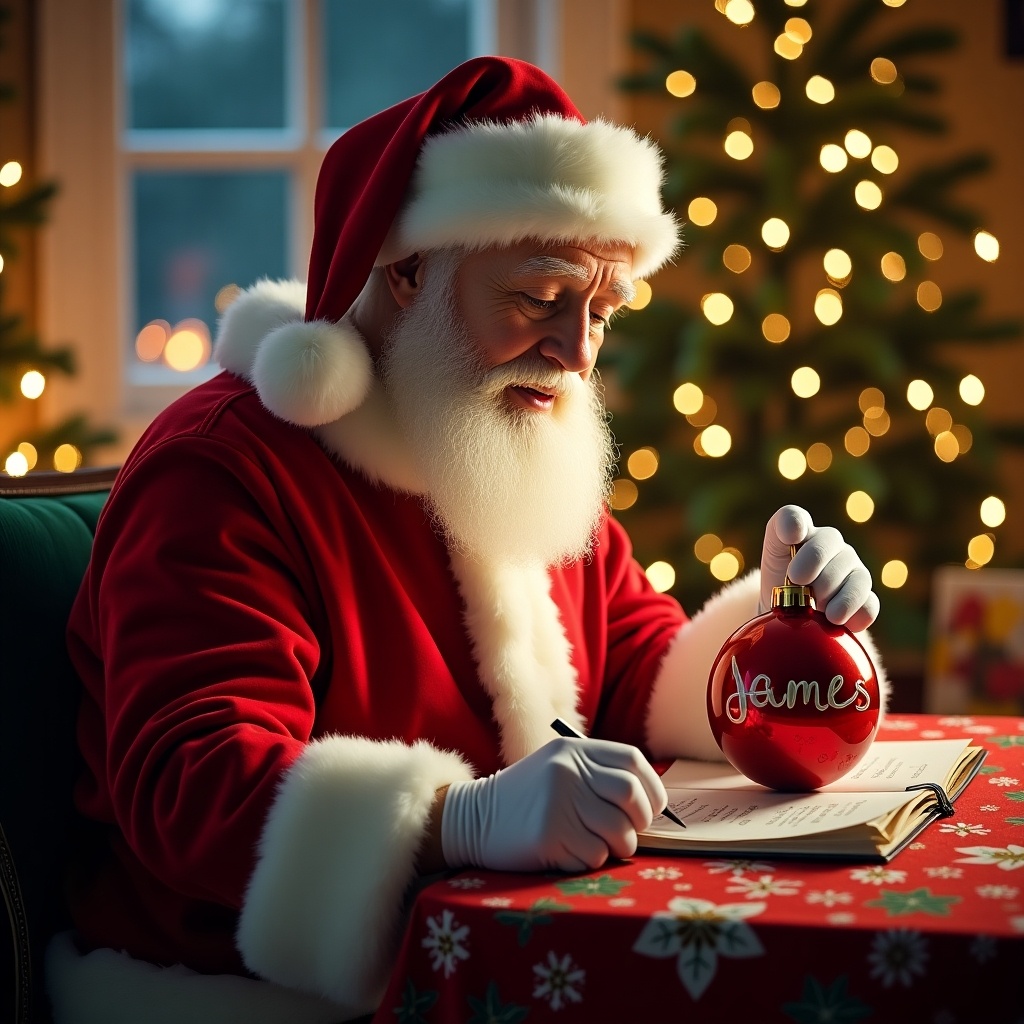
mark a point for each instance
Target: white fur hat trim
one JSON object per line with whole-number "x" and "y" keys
{"x": 307, "y": 373}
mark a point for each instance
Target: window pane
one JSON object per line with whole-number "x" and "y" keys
{"x": 194, "y": 64}
{"x": 376, "y": 54}
{"x": 196, "y": 234}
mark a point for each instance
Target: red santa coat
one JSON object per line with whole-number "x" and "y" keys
{"x": 282, "y": 663}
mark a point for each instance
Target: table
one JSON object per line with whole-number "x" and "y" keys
{"x": 936, "y": 935}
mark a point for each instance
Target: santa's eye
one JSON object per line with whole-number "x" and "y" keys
{"x": 540, "y": 304}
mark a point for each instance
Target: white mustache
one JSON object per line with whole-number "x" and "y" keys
{"x": 528, "y": 372}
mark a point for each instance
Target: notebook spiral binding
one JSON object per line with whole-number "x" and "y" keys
{"x": 945, "y": 804}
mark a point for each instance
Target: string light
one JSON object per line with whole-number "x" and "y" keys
{"x": 993, "y": 511}
{"x": 736, "y": 258}
{"x": 661, "y": 576}
{"x": 833, "y": 158}
{"x": 32, "y": 384}
{"x": 787, "y": 47}
{"x": 702, "y": 211}
{"x": 819, "y": 457}
{"x": 838, "y": 266}
{"x": 726, "y": 565}
{"x": 964, "y": 437}
{"x": 828, "y": 306}
{"x": 805, "y": 382}
{"x": 876, "y": 421}
{"x": 705, "y": 414}
{"x": 792, "y": 463}
{"x": 929, "y": 296}
{"x": 860, "y": 506}
{"x": 681, "y": 83}
{"x": 16, "y": 464}
{"x": 894, "y": 574}
{"x": 798, "y": 29}
{"x": 775, "y": 233}
{"x": 739, "y": 145}
{"x": 150, "y": 341}
{"x": 688, "y": 398}
{"x": 857, "y": 143}
{"x": 986, "y": 245}
{"x": 29, "y": 452}
{"x": 981, "y": 548}
{"x": 775, "y": 328}
{"x": 642, "y": 295}
{"x": 766, "y": 95}
{"x": 225, "y": 296}
{"x": 929, "y": 245}
{"x": 10, "y": 173}
{"x": 870, "y": 399}
{"x": 188, "y": 346}
{"x": 972, "y": 391}
{"x": 1, "y": 264}
{"x": 868, "y": 195}
{"x": 643, "y": 463}
{"x": 883, "y": 71}
{"x": 706, "y": 546}
{"x": 740, "y": 12}
{"x": 894, "y": 267}
{"x": 857, "y": 441}
{"x": 624, "y": 494}
{"x": 717, "y": 307}
{"x": 938, "y": 420}
{"x": 884, "y": 159}
{"x": 715, "y": 440}
{"x": 67, "y": 458}
{"x": 820, "y": 89}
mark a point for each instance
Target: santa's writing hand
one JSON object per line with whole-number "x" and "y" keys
{"x": 824, "y": 562}
{"x": 570, "y": 806}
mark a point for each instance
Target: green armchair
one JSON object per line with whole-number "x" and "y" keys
{"x": 47, "y": 522}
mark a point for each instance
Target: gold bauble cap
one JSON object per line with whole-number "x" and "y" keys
{"x": 792, "y": 595}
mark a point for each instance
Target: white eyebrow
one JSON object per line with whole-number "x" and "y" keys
{"x": 554, "y": 266}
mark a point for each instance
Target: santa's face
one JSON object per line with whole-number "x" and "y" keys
{"x": 492, "y": 386}
{"x": 551, "y": 301}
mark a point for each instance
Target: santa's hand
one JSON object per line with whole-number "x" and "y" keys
{"x": 825, "y": 562}
{"x": 570, "y": 806}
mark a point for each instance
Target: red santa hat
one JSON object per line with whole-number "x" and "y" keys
{"x": 493, "y": 154}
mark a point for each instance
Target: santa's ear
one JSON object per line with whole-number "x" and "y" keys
{"x": 405, "y": 278}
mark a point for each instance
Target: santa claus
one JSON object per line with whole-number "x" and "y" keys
{"x": 340, "y": 592}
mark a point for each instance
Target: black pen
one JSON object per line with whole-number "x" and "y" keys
{"x": 565, "y": 729}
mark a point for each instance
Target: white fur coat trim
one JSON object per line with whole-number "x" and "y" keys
{"x": 677, "y": 720}
{"x": 548, "y": 177}
{"x": 521, "y": 650}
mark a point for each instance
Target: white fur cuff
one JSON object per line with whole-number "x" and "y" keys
{"x": 323, "y": 909}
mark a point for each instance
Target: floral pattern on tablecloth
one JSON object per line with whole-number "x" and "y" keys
{"x": 709, "y": 939}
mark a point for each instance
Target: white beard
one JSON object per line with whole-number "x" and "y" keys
{"x": 504, "y": 485}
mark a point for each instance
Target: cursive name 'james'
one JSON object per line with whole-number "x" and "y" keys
{"x": 761, "y": 693}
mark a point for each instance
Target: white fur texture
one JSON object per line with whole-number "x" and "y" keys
{"x": 322, "y": 912}
{"x": 549, "y": 178}
{"x": 107, "y": 987}
{"x": 521, "y": 651}
{"x": 251, "y": 317}
{"x": 677, "y": 720}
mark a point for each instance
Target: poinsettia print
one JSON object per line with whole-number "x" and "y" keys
{"x": 696, "y": 933}
{"x": 446, "y": 942}
{"x": 898, "y": 956}
{"x": 558, "y": 981}
{"x": 1007, "y": 858}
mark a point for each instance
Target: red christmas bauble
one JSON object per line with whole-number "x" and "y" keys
{"x": 793, "y": 699}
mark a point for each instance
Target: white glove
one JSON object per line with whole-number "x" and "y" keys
{"x": 568, "y": 806}
{"x": 825, "y": 562}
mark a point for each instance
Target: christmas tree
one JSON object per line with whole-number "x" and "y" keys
{"x": 24, "y": 359}
{"x": 817, "y": 369}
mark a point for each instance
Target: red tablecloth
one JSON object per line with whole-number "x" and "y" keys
{"x": 936, "y": 935}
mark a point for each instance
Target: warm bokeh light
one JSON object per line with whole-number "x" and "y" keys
{"x": 766, "y": 95}
{"x": 775, "y": 233}
{"x": 705, "y": 414}
{"x": 661, "y": 576}
{"x": 870, "y": 398}
{"x": 624, "y": 494}
{"x": 980, "y": 549}
{"x": 947, "y": 447}
{"x": 868, "y": 195}
{"x": 798, "y": 29}
{"x": 929, "y": 296}
{"x": 687, "y": 398}
{"x": 1, "y": 264}
{"x": 986, "y": 245}
{"x": 964, "y": 437}
{"x": 883, "y": 71}
{"x": 681, "y": 83}
{"x": 819, "y": 457}
{"x": 740, "y": 12}
{"x": 188, "y": 347}
{"x": 920, "y": 394}
{"x": 736, "y": 258}
{"x": 993, "y": 511}
{"x": 225, "y": 296}
{"x": 828, "y": 306}
{"x": 788, "y": 47}
{"x": 717, "y": 307}
{"x": 805, "y": 382}
{"x": 884, "y": 159}
{"x": 838, "y": 264}
{"x": 938, "y": 420}
{"x": 775, "y": 328}
{"x": 643, "y": 296}
{"x": 972, "y": 391}
{"x": 150, "y": 341}
{"x": 894, "y": 3}
{"x": 10, "y": 173}
{"x": 739, "y": 145}
{"x": 643, "y": 463}
{"x": 67, "y": 458}
{"x": 857, "y": 143}
{"x": 706, "y": 546}
{"x": 725, "y": 565}
{"x": 860, "y": 506}
{"x": 929, "y": 245}
{"x": 894, "y": 266}
{"x": 877, "y": 422}
{"x": 857, "y": 441}
{"x": 894, "y": 574}
{"x": 29, "y": 452}
{"x": 16, "y": 464}
{"x": 32, "y": 384}
{"x": 792, "y": 463}
{"x": 715, "y": 440}
{"x": 819, "y": 89}
{"x": 702, "y": 211}
{"x": 833, "y": 158}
